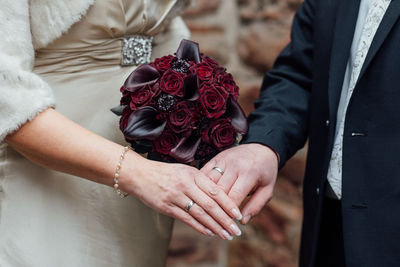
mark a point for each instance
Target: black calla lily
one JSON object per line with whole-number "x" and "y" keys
{"x": 189, "y": 50}
{"x": 191, "y": 88}
{"x": 142, "y": 76}
{"x": 235, "y": 112}
{"x": 186, "y": 149}
{"x": 143, "y": 124}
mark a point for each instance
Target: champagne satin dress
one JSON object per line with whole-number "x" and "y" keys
{"x": 50, "y": 219}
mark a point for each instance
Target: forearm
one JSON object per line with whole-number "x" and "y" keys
{"x": 53, "y": 141}
{"x": 280, "y": 119}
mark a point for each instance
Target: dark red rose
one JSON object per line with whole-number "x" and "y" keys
{"x": 230, "y": 86}
{"x": 205, "y": 152}
{"x": 210, "y": 61}
{"x": 219, "y": 75}
{"x": 123, "y": 122}
{"x": 180, "y": 119}
{"x": 167, "y": 141}
{"x": 221, "y": 134}
{"x": 172, "y": 83}
{"x": 156, "y": 89}
{"x": 164, "y": 63}
{"x": 213, "y": 99}
{"x": 141, "y": 97}
{"x": 125, "y": 97}
{"x": 204, "y": 72}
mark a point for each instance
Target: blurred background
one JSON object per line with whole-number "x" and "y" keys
{"x": 246, "y": 36}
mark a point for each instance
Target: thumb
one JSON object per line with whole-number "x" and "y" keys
{"x": 257, "y": 201}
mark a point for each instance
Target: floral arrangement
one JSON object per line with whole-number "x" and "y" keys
{"x": 183, "y": 108}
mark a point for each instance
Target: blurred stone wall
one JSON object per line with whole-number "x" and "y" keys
{"x": 246, "y": 36}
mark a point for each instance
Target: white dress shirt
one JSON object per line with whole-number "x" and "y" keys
{"x": 369, "y": 18}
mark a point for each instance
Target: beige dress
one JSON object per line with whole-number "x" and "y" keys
{"x": 51, "y": 219}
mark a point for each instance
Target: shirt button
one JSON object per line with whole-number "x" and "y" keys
{"x": 327, "y": 123}
{"x": 358, "y": 134}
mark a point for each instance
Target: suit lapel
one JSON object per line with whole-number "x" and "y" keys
{"x": 342, "y": 40}
{"x": 388, "y": 21}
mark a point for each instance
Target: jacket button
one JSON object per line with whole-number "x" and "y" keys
{"x": 317, "y": 190}
{"x": 327, "y": 123}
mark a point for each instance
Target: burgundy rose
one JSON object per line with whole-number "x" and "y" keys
{"x": 164, "y": 63}
{"x": 219, "y": 75}
{"x": 124, "y": 118}
{"x": 213, "y": 99}
{"x": 172, "y": 83}
{"x": 230, "y": 86}
{"x": 205, "y": 152}
{"x": 167, "y": 141}
{"x": 156, "y": 89}
{"x": 221, "y": 134}
{"x": 180, "y": 119}
{"x": 141, "y": 97}
{"x": 125, "y": 97}
{"x": 210, "y": 61}
{"x": 204, "y": 72}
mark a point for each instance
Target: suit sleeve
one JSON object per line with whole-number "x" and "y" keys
{"x": 23, "y": 94}
{"x": 280, "y": 118}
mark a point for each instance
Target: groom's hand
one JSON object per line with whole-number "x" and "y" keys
{"x": 245, "y": 169}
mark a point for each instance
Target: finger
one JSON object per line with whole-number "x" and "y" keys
{"x": 186, "y": 218}
{"x": 227, "y": 180}
{"x": 202, "y": 217}
{"x": 208, "y": 166}
{"x": 209, "y": 170}
{"x": 214, "y": 210}
{"x": 261, "y": 197}
{"x": 199, "y": 214}
{"x": 217, "y": 193}
{"x": 215, "y": 174}
{"x": 241, "y": 188}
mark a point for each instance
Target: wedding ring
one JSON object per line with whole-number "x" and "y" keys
{"x": 189, "y": 205}
{"x": 218, "y": 169}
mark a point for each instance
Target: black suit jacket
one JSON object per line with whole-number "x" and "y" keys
{"x": 299, "y": 100}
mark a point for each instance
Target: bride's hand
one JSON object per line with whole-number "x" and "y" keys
{"x": 169, "y": 188}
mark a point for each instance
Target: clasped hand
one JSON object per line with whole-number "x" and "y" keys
{"x": 249, "y": 169}
{"x": 207, "y": 200}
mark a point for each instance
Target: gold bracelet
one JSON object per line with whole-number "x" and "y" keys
{"x": 120, "y": 193}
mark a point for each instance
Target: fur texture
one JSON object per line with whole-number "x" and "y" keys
{"x": 51, "y": 18}
{"x": 22, "y": 94}
{"x": 25, "y": 24}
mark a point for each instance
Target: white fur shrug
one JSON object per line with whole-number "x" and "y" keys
{"x": 26, "y": 25}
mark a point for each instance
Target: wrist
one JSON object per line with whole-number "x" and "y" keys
{"x": 132, "y": 169}
{"x": 265, "y": 152}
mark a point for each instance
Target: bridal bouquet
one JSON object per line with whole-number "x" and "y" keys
{"x": 181, "y": 108}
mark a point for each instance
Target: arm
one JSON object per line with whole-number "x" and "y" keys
{"x": 55, "y": 142}
{"x": 278, "y": 126}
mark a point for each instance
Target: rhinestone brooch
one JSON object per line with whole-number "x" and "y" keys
{"x": 136, "y": 50}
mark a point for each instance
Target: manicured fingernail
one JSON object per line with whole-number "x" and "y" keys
{"x": 209, "y": 232}
{"x": 236, "y": 230}
{"x": 226, "y": 235}
{"x": 246, "y": 219}
{"x": 237, "y": 214}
